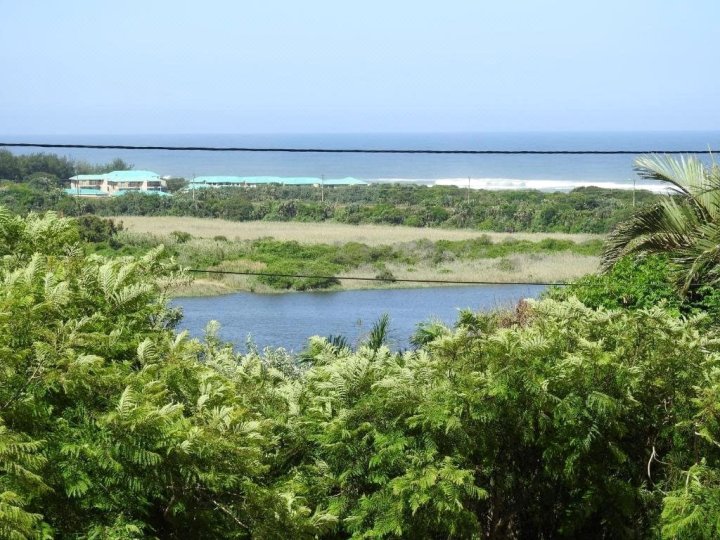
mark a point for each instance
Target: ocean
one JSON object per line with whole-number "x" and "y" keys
{"x": 547, "y": 172}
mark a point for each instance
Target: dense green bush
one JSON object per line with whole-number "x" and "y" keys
{"x": 287, "y": 259}
{"x": 561, "y": 422}
{"x": 492, "y": 211}
{"x": 631, "y": 283}
{"x": 590, "y": 210}
{"x": 27, "y": 167}
{"x": 557, "y": 420}
{"x": 112, "y": 426}
{"x": 98, "y": 230}
{"x": 181, "y": 237}
{"x": 638, "y": 283}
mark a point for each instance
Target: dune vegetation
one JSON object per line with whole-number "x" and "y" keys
{"x": 591, "y": 413}
{"x": 555, "y": 420}
{"x": 392, "y": 254}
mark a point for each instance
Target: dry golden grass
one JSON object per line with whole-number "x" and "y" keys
{"x": 543, "y": 268}
{"x": 314, "y": 233}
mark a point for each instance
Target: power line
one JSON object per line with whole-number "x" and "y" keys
{"x": 350, "y": 150}
{"x": 386, "y": 280}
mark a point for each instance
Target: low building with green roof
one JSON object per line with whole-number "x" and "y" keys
{"x": 251, "y": 181}
{"x": 115, "y": 183}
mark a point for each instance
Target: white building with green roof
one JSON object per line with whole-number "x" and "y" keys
{"x": 253, "y": 181}
{"x": 116, "y": 183}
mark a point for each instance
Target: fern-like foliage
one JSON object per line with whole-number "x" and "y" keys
{"x": 543, "y": 429}
{"x": 557, "y": 421}
{"x": 121, "y": 429}
{"x": 20, "y": 483}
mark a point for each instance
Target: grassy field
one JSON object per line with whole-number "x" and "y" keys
{"x": 372, "y": 235}
{"x": 366, "y": 251}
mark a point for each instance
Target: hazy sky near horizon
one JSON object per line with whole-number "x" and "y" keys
{"x": 170, "y": 66}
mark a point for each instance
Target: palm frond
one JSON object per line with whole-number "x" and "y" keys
{"x": 665, "y": 226}
{"x": 685, "y": 225}
{"x": 686, "y": 175}
{"x": 379, "y": 333}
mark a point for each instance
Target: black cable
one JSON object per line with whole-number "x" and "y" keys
{"x": 390, "y": 280}
{"x": 351, "y": 150}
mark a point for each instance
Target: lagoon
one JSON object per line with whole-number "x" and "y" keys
{"x": 287, "y": 320}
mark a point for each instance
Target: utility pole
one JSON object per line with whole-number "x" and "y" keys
{"x": 194, "y": 187}
{"x": 77, "y": 189}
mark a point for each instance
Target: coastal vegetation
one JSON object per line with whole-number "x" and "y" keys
{"x": 557, "y": 419}
{"x": 468, "y": 257}
{"x": 33, "y": 183}
{"x": 591, "y": 413}
{"x": 583, "y": 210}
{"x": 26, "y": 168}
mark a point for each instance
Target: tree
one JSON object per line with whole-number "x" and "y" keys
{"x": 684, "y": 224}
{"x": 111, "y": 425}
{"x": 176, "y": 184}
{"x": 562, "y": 422}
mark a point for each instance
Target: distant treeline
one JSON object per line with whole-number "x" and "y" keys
{"x": 589, "y": 210}
{"x": 50, "y": 167}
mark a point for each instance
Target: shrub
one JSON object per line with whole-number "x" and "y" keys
{"x": 506, "y": 265}
{"x": 112, "y": 426}
{"x": 547, "y": 426}
{"x": 385, "y": 275}
{"x": 95, "y": 229}
{"x": 632, "y": 284}
{"x": 181, "y": 236}
{"x": 556, "y": 421}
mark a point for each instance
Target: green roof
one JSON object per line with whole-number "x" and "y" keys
{"x": 120, "y": 176}
{"x": 125, "y": 176}
{"x": 208, "y": 181}
{"x": 218, "y": 180}
{"x": 88, "y": 177}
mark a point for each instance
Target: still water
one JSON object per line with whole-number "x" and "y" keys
{"x": 287, "y": 320}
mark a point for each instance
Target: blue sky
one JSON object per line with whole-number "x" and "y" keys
{"x": 161, "y": 66}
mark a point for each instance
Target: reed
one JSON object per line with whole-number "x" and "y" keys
{"x": 365, "y": 251}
